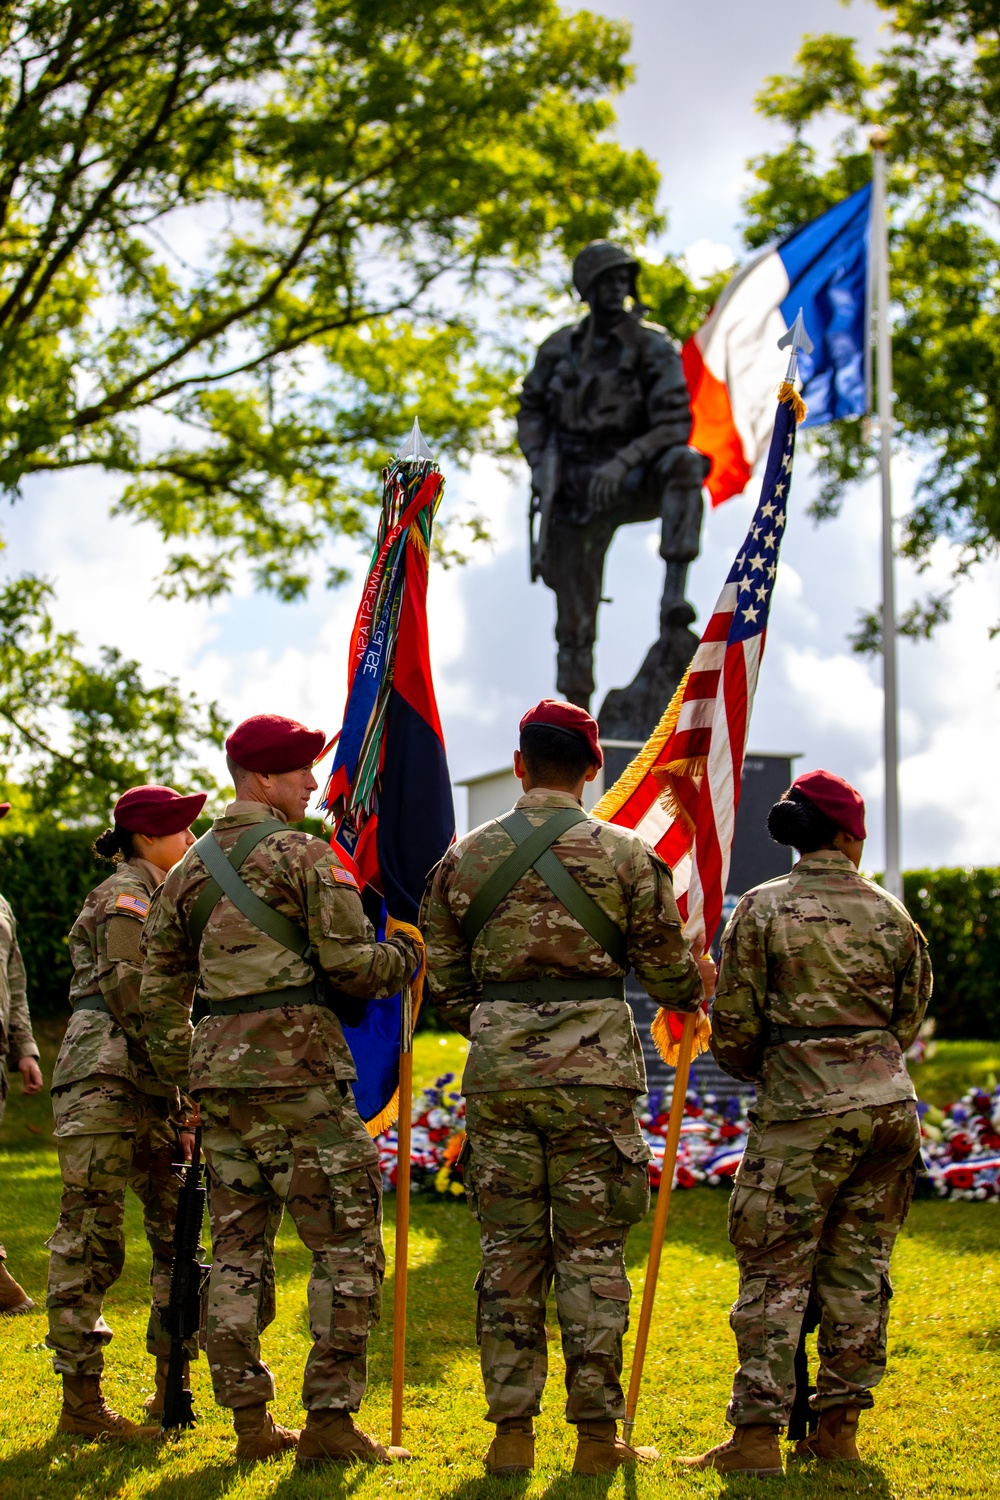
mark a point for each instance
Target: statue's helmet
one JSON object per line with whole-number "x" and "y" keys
{"x": 596, "y": 258}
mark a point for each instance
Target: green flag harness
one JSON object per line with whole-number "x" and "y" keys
{"x": 224, "y": 879}
{"x": 533, "y": 849}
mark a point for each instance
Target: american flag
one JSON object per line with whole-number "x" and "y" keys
{"x": 683, "y": 788}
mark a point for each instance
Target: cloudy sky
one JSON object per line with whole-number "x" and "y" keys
{"x": 691, "y": 108}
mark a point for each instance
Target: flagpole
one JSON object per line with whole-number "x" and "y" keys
{"x": 879, "y": 263}
{"x": 403, "y": 1131}
{"x": 681, "y": 1073}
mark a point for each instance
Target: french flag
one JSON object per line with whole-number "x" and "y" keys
{"x": 822, "y": 268}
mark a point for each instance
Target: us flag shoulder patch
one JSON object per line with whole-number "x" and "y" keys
{"x": 343, "y": 877}
{"x": 137, "y": 906}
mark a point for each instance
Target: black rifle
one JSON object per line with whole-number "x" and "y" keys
{"x": 183, "y": 1316}
{"x": 803, "y": 1419}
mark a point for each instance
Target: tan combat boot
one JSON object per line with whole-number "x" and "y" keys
{"x": 154, "y": 1404}
{"x": 14, "y": 1300}
{"x": 512, "y": 1450}
{"x": 752, "y": 1450}
{"x": 835, "y": 1439}
{"x": 599, "y": 1449}
{"x": 331, "y": 1437}
{"x": 258, "y": 1435}
{"x": 85, "y": 1413}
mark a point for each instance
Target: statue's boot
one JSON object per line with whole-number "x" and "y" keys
{"x": 835, "y": 1439}
{"x": 258, "y": 1435}
{"x": 599, "y": 1449}
{"x": 85, "y": 1413}
{"x": 512, "y": 1450}
{"x": 14, "y": 1300}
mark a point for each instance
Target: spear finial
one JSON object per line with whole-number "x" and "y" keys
{"x": 795, "y": 339}
{"x": 414, "y": 448}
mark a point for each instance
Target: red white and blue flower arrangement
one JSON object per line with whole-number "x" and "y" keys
{"x": 961, "y": 1145}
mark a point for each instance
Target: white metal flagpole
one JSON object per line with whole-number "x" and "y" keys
{"x": 879, "y": 269}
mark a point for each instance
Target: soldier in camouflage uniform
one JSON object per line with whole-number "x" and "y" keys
{"x": 556, "y": 1168}
{"x": 823, "y": 985}
{"x": 17, "y": 1050}
{"x": 272, "y": 1074}
{"x": 117, "y": 1125}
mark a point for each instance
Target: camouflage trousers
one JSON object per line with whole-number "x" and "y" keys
{"x": 818, "y": 1201}
{"x": 305, "y": 1149}
{"x": 110, "y": 1137}
{"x": 554, "y": 1176}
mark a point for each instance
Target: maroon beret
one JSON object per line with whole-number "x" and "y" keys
{"x": 4, "y": 809}
{"x": 835, "y": 797}
{"x": 555, "y": 714}
{"x": 157, "y": 810}
{"x": 270, "y": 744}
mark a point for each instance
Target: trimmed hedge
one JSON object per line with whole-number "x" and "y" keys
{"x": 46, "y": 875}
{"x": 959, "y": 912}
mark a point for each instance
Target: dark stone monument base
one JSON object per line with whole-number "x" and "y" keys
{"x": 633, "y": 712}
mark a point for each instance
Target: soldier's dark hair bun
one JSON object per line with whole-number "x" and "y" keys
{"x": 797, "y": 822}
{"x": 114, "y": 844}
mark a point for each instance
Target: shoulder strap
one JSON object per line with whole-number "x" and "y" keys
{"x": 224, "y": 880}
{"x": 521, "y": 858}
{"x": 533, "y": 847}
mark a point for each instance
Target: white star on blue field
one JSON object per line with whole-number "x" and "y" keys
{"x": 756, "y": 567}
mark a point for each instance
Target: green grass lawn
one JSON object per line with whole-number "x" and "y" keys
{"x": 934, "y": 1431}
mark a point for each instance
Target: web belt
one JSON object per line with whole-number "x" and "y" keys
{"x": 244, "y": 1005}
{"x": 778, "y": 1033}
{"x": 573, "y": 991}
{"x": 93, "y": 1002}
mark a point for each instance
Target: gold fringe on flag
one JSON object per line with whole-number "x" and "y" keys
{"x": 616, "y": 796}
{"x": 389, "y": 1115}
{"x": 791, "y": 397}
{"x": 667, "y": 1047}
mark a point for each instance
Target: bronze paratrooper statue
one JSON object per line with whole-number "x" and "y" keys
{"x": 604, "y": 423}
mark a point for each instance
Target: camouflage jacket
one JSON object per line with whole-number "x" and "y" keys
{"x": 531, "y": 935}
{"x": 104, "y": 949}
{"x": 16, "y": 1040}
{"x": 820, "y": 946}
{"x": 290, "y": 1045}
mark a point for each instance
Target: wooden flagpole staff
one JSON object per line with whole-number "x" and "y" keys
{"x": 403, "y": 1129}
{"x": 681, "y": 1074}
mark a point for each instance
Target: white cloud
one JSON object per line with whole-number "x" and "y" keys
{"x": 704, "y": 258}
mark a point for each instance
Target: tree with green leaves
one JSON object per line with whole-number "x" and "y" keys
{"x": 935, "y": 87}
{"x": 243, "y": 242}
{"x": 74, "y": 735}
